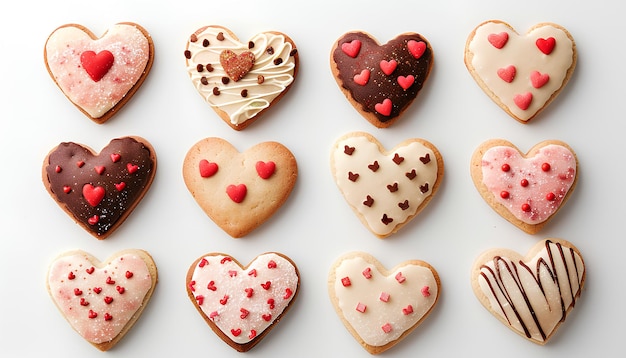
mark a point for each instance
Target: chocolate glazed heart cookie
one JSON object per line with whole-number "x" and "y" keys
{"x": 100, "y": 190}
{"x": 381, "y": 81}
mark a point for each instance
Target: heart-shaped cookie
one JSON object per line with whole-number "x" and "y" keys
{"x": 99, "y": 75}
{"x": 243, "y": 304}
{"x": 240, "y": 81}
{"x": 239, "y": 191}
{"x": 102, "y": 300}
{"x": 386, "y": 189}
{"x": 531, "y": 295}
{"x": 526, "y": 189}
{"x": 521, "y": 73}
{"x": 100, "y": 190}
{"x": 381, "y": 81}
{"x": 381, "y": 307}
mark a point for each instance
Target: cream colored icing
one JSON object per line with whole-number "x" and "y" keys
{"x": 231, "y": 281}
{"x": 130, "y": 49}
{"x": 123, "y": 305}
{"x": 382, "y": 298}
{"x": 276, "y": 77}
{"x": 533, "y": 296}
{"x": 521, "y": 52}
{"x": 375, "y": 184}
{"x": 558, "y": 180}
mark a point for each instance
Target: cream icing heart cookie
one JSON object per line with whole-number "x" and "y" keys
{"x": 243, "y": 304}
{"x": 380, "y": 307}
{"x": 531, "y": 295}
{"x": 526, "y": 189}
{"x": 381, "y": 81}
{"x": 102, "y": 300}
{"x": 521, "y": 73}
{"x": 239, "y": 191}
{"x": 99, "y": 75}
{"x": 240, "y": 81}
{"x": 386, "y": 189}
{"x": 100, "y": 190}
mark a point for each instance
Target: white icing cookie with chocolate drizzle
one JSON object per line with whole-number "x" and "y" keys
{"x": 240, "y": 81}
{"x": 380, "y": 307}
{"x": 531, "y": 295}
{"x": 521, "y": 73}
{"x": 386, "y": 189}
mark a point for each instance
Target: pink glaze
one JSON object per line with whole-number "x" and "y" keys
{"x": 532, "y": 189}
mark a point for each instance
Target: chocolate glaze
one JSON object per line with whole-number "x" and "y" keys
{"x": 66, "y": 178}
{"x": 380, "y": 85}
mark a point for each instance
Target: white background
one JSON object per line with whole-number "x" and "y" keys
{"x": 315, "y": 226}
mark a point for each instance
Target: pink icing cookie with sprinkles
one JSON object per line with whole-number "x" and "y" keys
{"x": 381, "y": 81}
{"x": 243, "y": 304}
{"x": 102, "y": 300}
{"x": 531, "y": 295}
{"x": 526, "y": 189}
{"x": 380, "y": 307}
{"x": 386, "y": 189}
{"x": 239, "y": 191}
{"x": 521, "y": 73}
{"x": 99, "y": 75}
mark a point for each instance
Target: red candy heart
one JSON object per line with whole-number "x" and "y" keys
{"x": 237, "y": 193}
{"x": 207, "y": 169}
{"x": 97, "y": 65}
{"x": 265, "y": 169}
{"x": 93, "y": 194}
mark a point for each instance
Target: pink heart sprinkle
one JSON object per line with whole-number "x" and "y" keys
{"x": 507, "y": 74}
{"x": 362, "y": 78}
{"x": 384, "y": 108}
{"x": 538, "y": 79}
{"x": 498, "y": 40}
{"x": 406, "y": 82}
{"x": 523, "y": 100}
{"x": 416, "y": 48}
{"x": 351, "y": 48}
{"x": 388, "y": 66}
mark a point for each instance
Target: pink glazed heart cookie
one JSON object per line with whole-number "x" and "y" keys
{"x": 99, "y": 75}
{"x": 102, "y": 300}
{"x": 526, "y": 189}
{"x": 521, "y": 73}
{"x": 243, "y": 304}
{"x": 381, "y": 307}
{"x": 531, "y": 295}
{"x": 239, "y": 191}
{"x": 386, "y": 189}
{"x": 381, "y": 81}
{"x": 240, "y": 80}
{"x": 100, "y": 190}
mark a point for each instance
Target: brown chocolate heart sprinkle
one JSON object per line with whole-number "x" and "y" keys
{"x": 250, "y": 44}
{"x": 353, "y": 176}
{"x": 220, "y": 36}
{"x": 204, "y": 81}
{"x": 270, "y": 50}
{"x": 244, "y": 93}
{"x": 205, "y": 43}
{"x": 225, "y": 80}
{"x": 424, "y": 188}
{"x": 260, "y": 79}
{"x": 348, "y": 150}
{"x": 187, "y": 54}
{"x": 199, "y": 67}
{"x": 216, "y": 91}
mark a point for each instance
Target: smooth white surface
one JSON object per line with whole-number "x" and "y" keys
{"x": 316, "y": 225}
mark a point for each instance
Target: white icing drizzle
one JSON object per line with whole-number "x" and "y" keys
{"x": 259, "y": 96}
{"x": 534, "y": 297}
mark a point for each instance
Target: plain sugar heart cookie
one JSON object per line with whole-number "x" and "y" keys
{"x": 99, "y": 75}
{"x": 100, "y": 190}
{"x": 526, "y": 189}
{"x": 239, "y": 191}
{"x": 381, "y": 81}
{"x": 531, "y": 295}
{"x": 242, "y": 304}
{"x": 240, "y": 80}
{"x": 521, "y": 73}
{"x": 102, "y": 300}
{"x": 385, "y": 189}
{"x": 380, "y": 307}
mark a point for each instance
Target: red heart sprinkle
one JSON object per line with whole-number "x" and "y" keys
{"x": 99, "y": 169}
{"x": 120, "y": 186}
{"x": 110, "y": 281}
{"x": 67, "y": 189}
{"x": 252, "y": 334}
{"x": 207, "y": 169}
{"x": 266, "y": 285}
{"x": 538, "y": 79}
{"x": 267, "y": 317}
{"x": 388, "y": 66}
{"x": 523, "y": 100}
{"x": 128, "y": 274}
{"x": 93, "y": 194}
{"x": 416, "y": 48}
{"x": 90, "y": 270}
{"x": 498, "y": 40}
{"x": 237, "y": 193}
{"x": 131, "y": 168}
{"x": 265, "y": 170}
{"x": 271, "y": 264}
{"x": 384, "y": 108}
{"x": 97, "y": 290}
{"x": 80, "y": 163}
{"x": 120, "y": 289}
{"x": 97, "y": 65}
{"x": 546, "y": 45}
{"x": 507, "y": 74}
{"x": 406, "y": 82}
{"x": 351, "y": 48}
{"x": 77, "y": 292}
{"x": 236, "y": 332}
{"x": 115, "y": 157}
{"x": 362, "y": 78}
{"x": 108, "y": 300}
{"x": 93, "y": 220}
{"x": 107, "y": 317}
{"x": 92, "y": 314}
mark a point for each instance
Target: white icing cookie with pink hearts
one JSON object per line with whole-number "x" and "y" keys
{"x": 239, "y": 191}
{"x": 380, "y": 307}
{"x": 531, "y": 295}
{"x": 240, "y": 80}
{"x": 102, "y": 300}
{"x": 99, "y": 75}
{"x": 386, "y": 189}
{"x": 521, "y": 73}
{"x": 526, "y": 189}
{"x": 243, "y": 304}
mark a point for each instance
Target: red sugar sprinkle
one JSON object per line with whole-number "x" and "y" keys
{"x": 110, "y": 281}
{"x": 505, "y": 167}
{"x": 211, "y": 286}
{"x": 526, "y": 207}
{"x": 200, "y": 300}
{"x": 545, "y": 167}
{"x": 107, "y": 317}
{"x": 524, "y": 182}
{"x": 270, "y": 302}
{"x": 120, "y": 289}
{"x": 267, "y": 317}
{"x": 407, "y": 310}
{"x": 360, "y": 307}
{"x": 386, "y": 328}
{"x": 252, "y": 334}
{"x": 400, "y": 277}
{"x": 550, "y": 197}
{"x": 249, "y": 292}
{"x": 346, "y": 281}
{"x": 266, "y": 285}
{"x": 504, "y": 194}
{"x": 426, "y": 291}
{"x": 90, "y": 270}
{"x": 224, "y": 300}
{"x": 203, "y": 262}
{"x": 244, "y": 313}
{"x": 192, "y": 285}
{"x": 225, "y": 259}
{"x": 92, "y": 314}
{"x": 288, "y": 293}
{"x": 58, "y": 169}
{"x": 77, "y": 292}
{"x": 367, "y": 273}
{"x": 236, "y": 332}
{"x": 71, "y": 276}
{"x": 271, "y": 264}
{"x": 129, "y": 274}
{"x": 384, "y": 296}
